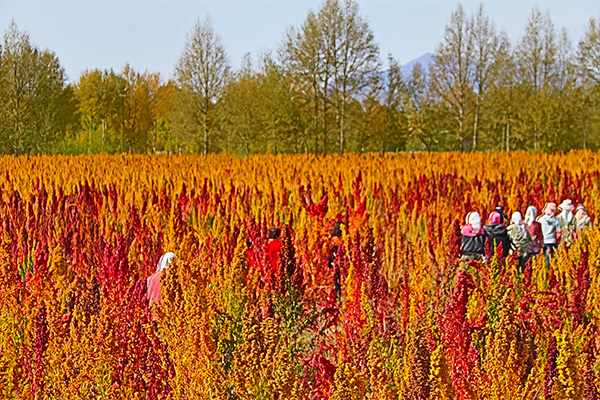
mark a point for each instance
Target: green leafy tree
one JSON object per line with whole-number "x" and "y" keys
{"x": 536, "y": 57}
{"x": 100, "y": 102}
{"x": 588, "y": 53}
{"x": 351, "y": 54}
{"x": 382, "y": 123}
{"x": 303, "y": 61}
{"x": 502, "y": 100}
{"x": 260, "y": 112}
{"x": 425, "y": 116}
{"x": 485, "y": 46}
{"x": 332, "y": 57}
{"x": 452, "y": 76}
{"x": 201, "y": 74}
{"x": 588, "y": 92}
{"x": 36, "y": 106}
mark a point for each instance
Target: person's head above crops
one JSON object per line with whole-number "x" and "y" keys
{"x": 337, "y": 229}
{"x": 549, "y": 209}
{"x": 273, "y": 233}
{"x": 495, "y": 218}
{"x": 165, "y": 260}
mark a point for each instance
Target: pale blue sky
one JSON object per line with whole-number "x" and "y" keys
{"x": 150, "y": 34}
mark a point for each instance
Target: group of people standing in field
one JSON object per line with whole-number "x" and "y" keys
{"x": 528, "y": 237}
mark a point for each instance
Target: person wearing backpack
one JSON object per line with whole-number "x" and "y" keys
{"x": 582, "y": 218}
{"x": 567, "y": 222}
{"x": 473, "y": 238}
{"x": 497, "y": 234}
{"x": 520, "y": 238}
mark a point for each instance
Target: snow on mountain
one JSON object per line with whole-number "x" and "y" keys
{"x": 425, "y": 60}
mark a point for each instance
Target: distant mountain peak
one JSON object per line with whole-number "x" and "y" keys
{"x": 424, "y": 60}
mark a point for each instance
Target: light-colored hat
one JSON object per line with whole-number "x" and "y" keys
{"x": 516, "y": 218}
{"x": 549, "y": 209}
{"x": 567, "y": 205}
{"x": 474, "y": 219}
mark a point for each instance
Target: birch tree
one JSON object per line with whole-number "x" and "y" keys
{"x": 351, "y": 54}
{"x": 201, "y": 74}
{"x": 485, "y": 47}
{"x": 452, "y": 75}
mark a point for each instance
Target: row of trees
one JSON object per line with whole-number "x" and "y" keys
{"x": 324, "y": 89}
{"x": 539, "y": 94}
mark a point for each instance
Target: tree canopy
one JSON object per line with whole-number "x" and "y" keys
{"x": 323, "y": 90}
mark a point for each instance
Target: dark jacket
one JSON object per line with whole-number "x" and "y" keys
{"x": 472, "y": 242}
{"x": 497, "y": 234}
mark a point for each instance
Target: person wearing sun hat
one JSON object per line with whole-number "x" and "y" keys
{"x": 551, "y": 229}
{"x": 520, "y": 238}
{"x": 567, "y": 222}
{"x": 582, "y": 218}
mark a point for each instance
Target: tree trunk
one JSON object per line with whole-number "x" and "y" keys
{"x": 475, "y": 127}
{"x": 460, "y": 129}
{"x": 324, "y": 150}
{"x": 103, "y": 132}
{"x": 154, "y": 140}
{"x": 316, "y": 117}
{"x": 325, "y": 115}
{"x": 205, "y": 127}
{"x": 342, "y": 126}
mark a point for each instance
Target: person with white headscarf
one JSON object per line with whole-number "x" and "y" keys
{"x": 153, "y": 281}
{"x": 534, "y": 228}
{"x": 567, "y": 222}
{"x": 520, "y": 239}
{"x": 473, "y": 238}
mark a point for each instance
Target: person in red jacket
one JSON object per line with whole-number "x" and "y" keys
{"x": 250, "y": 254}
{"x": 535, "y": 230}
{"x": 273, "y": 248}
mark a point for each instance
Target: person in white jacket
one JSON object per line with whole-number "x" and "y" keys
{"x": 551, "y": 229}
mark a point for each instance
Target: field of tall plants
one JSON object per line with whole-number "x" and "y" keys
{"x": 80, "y": 235}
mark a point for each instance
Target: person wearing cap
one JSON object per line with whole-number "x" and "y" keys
{"x": 534, "y": 228}
{"x": 567, "y": 222}
{"x": 497, "y": 234}
{"x": 551, "y": 229}
{"x": 473, "y": 238}
{"x": 153, "y": 282}
{"x": 582, "y": 218}
{"x": 520, "y": 238}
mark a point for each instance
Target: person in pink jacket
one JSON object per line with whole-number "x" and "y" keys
{"x": 473, "y": 238}
{"x": 153, "y": 281}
